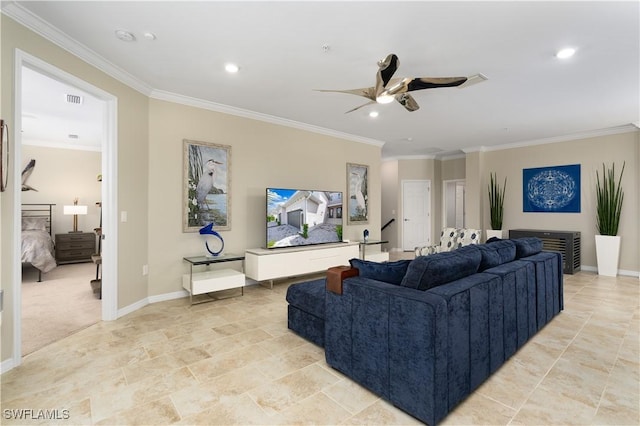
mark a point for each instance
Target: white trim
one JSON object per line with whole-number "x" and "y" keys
{"x": 44, "y": 29}
{"x": 7, "y": 365}
{"x": 622, "y": 272}
{"x": 213, "y": 106}
{"x": 62, "y": 145}
{"x": 57, "y": 37}
{"x": 109, "y": 193}
{"x": 627, "y": 128}
{"x": 168, "y": 296}
{"x": 133, "y": 307}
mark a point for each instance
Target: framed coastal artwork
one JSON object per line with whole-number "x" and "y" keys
{"x": 357, "y": 194}
{"x": 207, "y": 186}
{"x": 554, "y": 189}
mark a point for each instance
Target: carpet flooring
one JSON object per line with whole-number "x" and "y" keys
{"x": 59, "y": 306}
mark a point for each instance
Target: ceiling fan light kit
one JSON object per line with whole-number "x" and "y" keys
{"x": 388, "y": 89}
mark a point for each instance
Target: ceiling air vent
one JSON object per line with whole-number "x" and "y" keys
{"x": 74, "y": 99}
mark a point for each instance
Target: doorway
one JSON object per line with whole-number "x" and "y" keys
{"x": 416, "y": 214}
{"x": 453, "y": 215}
{"x": 108, "y": 132}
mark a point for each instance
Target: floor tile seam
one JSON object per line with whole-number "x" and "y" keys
{"x": 343, "y": 406}
{"x": 544, "y": 376}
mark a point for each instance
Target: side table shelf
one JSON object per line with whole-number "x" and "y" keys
{"x": 212, "y": 280}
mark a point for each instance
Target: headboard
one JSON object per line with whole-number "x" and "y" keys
{"x": 39, "y": 210}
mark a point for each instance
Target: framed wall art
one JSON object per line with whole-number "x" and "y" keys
{"x": 357, "y": 193}
{"x": 553, "y": 189}
{"x": 207, "y": 186}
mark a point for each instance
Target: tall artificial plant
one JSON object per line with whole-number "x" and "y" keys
{"x": 609, "y": 197}
{"x": 496, "y": 201}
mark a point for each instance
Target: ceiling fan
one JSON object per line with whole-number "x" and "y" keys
{"x": 387, "y": 88}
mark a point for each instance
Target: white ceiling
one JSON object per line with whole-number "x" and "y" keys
{"x": 530, "y": 95}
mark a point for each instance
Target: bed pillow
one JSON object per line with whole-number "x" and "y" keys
{"x": 34, "y": 223}
{"x": 388, "y": 272}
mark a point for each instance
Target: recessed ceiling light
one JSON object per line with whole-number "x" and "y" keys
{"x": 125, "y": 35}
{"x": 373, "y": 114}
{"x": 232, "y": 68}
{"x": 565, "y": 53}
{"x": 149, "y": 36}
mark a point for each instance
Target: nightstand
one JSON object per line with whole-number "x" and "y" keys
{"x": 75, "y": 247}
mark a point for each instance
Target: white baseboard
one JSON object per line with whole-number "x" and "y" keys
{"x": 163, "y": 298}
{"x": 623, "y": 272}
{"x": 7, "y": 365}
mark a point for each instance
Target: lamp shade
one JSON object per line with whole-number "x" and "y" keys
{"x": 75, "y": 209}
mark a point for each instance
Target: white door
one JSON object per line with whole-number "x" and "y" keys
{"x": 416, "y": 214}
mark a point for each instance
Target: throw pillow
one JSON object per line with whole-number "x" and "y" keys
{"x": 425, "y": 272}
{"x": 527, "y": 246}
{"x": 496, "y": 253}
{"x": 388, "y": 272}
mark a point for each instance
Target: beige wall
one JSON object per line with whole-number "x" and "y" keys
{"x": 262, "y": 155}
{"x": 132, "y": 119}
{"x": 590, "y": 153}
{"x": 60, "y": 176}
{"x": 390, "y": 200}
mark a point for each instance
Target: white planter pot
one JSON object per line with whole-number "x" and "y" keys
{"x": 608, "y": 254}
{"x": 490, "y": 233}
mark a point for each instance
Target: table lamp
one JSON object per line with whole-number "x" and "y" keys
{"x": 75, "y": 210}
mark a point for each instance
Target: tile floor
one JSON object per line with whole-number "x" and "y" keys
{"x": 235, "y": 362}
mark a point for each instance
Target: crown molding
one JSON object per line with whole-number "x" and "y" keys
{"x": 226, "y": 109}
{"x": 57, "y": 37}
{"x": 626, "y": 128}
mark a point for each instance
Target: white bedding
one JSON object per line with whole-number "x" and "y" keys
{"x": 37, "y": 249}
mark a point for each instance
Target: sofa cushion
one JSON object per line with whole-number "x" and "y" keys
{"x": 527, "y": 246}
{"x": 426, "y": 272}
{"x": 496, "y": 253}
{"x": 308, "y": 297}
{"x": 388, "y": 272}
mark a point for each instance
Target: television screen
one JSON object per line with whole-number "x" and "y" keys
{"x": 298, "y": 217}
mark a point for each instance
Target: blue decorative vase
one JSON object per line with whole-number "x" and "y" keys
{"x": 366, "y": 235}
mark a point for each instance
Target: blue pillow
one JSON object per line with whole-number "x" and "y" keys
{"x": 527, "y": 246}
{"x": 496, "y": 253}
{"x": 425, "y": 272}
{"x": 388, "y": 272}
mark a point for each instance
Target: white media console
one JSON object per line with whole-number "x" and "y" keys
{"x": 269, "y": 264}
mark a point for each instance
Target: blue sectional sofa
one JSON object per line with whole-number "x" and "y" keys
{"x": 439, "y": 325}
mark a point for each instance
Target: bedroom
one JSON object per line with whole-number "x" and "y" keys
{"x": 67, "y": 154}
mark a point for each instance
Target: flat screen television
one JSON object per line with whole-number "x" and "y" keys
{"x": 297, "y": 217}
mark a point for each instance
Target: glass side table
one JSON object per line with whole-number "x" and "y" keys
{"x": 363, "y": 245}
{"x": 212, "y": 280}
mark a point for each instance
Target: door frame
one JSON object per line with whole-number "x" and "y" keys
{"x": 402, "y": 197}
{"x": 109, "y": 191}
{"x": 444, "y": 200}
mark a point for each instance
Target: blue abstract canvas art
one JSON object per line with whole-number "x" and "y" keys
{"x": 551, "y": 189}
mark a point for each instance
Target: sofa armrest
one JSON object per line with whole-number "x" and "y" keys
{"x": 392, "y": 340}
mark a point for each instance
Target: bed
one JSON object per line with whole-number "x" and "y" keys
{"x": 37, "y": 244}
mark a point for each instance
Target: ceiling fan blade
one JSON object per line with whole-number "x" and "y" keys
{"x": 433, "y": 83}
{"x": 358, "y": 107}
{"x": 386, "y": 68}
{"x": 474, "y": 79}
{"x": 407, "y": 101}
{"x": 367, "y": 92}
